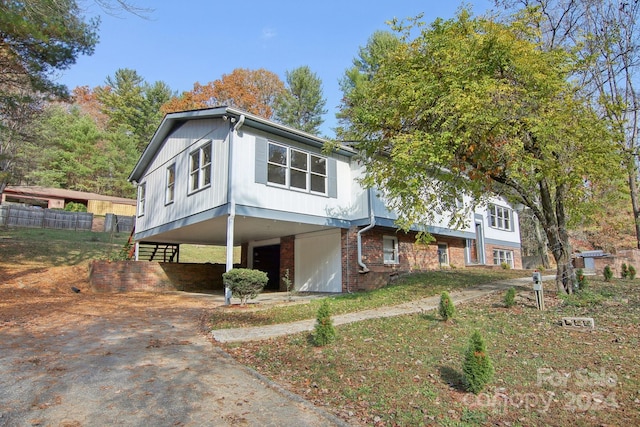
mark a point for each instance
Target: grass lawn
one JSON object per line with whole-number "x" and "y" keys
{"x": 407, "y": 370}
{"x": 49, "y": 247}
{"x": 407, "y": 288}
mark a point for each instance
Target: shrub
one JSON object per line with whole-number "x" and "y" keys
{"x": 245, "y": 283}
{"x": 324, "y": 332}
{"x": 75, "y": 207}
{"x": 581, "y": 279}
{"x": 446, "y": 308}
{"x": 624, "y": 273}
{"x": 477, "y": 370}
{"x": 632, "y": 272}
{"x": 505, "y": 265}
{"x": 510, "y": 298}
{"x": 608, "y": 274}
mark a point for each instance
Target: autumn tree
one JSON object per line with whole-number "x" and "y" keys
{"x": 301, "y": 106}
{"x": 254, "y": 91}
{"x": 477, "y": 107}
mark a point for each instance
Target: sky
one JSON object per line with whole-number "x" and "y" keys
{"x": 188, "y": 41}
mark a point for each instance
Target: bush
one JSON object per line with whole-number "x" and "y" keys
{"x": 245, "y": 283}
{"x": 581, "y": 279}
{"x": 446, "y": 308}
{"x": 75, "y": 207}
{"x": 324, "y": 332}
{"x": 632, "y": 272}
{"x": 510, "y": 298}
{"x": 625, "y": 271}
{"x": 505, "y": 265}
{"x": 477, "y": 370}
{"x": 608, "y": 273}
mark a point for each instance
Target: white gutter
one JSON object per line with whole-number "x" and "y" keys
{"x": 232, "y": 202}
{"x": 372, "y": 223}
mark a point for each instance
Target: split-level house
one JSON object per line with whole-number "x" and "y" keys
{"x": 225, "y": 177}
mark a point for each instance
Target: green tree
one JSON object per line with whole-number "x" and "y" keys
{"x": 477, "y": 107}
{"x": 364, "y": 67}
{"x": 132, "y": 104}
{"x": 38, "y": 37}
{"x": 301, "y": 106}
{"x": 70, "y": 151}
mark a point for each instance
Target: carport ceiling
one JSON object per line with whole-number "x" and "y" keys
{"x": 214, "y": 231}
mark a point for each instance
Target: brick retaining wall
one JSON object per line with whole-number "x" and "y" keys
{"x": 126, "y": 276}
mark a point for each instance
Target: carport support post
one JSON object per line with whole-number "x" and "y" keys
{"x": 230, "y": 225}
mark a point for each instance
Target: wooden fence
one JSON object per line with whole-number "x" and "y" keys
{"x": 20, "y": 216}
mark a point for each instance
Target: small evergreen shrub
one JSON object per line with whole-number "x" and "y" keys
{"x": 505, "y": 265}
{"x": 324, "y": 332}
{"x": 581, "y": 279}
{"x": 245, "y": 283}
{"x": 446, "y": 308}
{"x": 625, "y": 271}
{"x": 632, "y": 272}
{"x": 608, "y": 273}
{"x": 477, "y": 369}
{"x": 510, "y": 298}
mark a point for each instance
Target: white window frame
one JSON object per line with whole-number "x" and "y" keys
{"x": 310, "y": 175}
{"x": 502, "y": 255}
{"x": 200, "y": 170}
{"x": 500, "y": 218}
{"x": 390, "y": 252}
{"x": 170, "y": 193}
{"x": 142, "y": 198}
{"x": 443, "y": 248}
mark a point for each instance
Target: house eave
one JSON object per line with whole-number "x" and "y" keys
{"x": 172, "y": 120}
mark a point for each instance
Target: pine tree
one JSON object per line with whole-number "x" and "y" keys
{"x": 477, "y": 369}
{"x": 324, "y": 332}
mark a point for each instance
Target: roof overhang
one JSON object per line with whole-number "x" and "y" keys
{"x": 172, "y": 121}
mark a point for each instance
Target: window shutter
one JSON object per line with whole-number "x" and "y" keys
{"x": 332, "y": 178}
{"x": 261, "y": 160}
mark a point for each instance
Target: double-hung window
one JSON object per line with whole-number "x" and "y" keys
{"x": 296, "y": 169}
{"x": 500, "y": 218}
{"x": 200, "y": 168}
{"x": 390, "y": 249}
{"x": 501, "y": 256}
{"x": 142, "y": 196}
{"x": 171, "y": 184}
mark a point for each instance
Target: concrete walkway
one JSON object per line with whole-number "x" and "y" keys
{"x": 425, "y": 304}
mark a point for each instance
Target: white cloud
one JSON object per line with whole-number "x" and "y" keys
{"x": 268, "y": 33}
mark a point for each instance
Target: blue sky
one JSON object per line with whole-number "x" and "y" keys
{"x": 183, "y": 42}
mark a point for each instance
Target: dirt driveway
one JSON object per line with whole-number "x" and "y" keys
{"x": 80, "y": 359}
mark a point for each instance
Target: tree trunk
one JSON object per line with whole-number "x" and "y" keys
{"x": 553, "y": 219}
{"x": 633, "y": 191}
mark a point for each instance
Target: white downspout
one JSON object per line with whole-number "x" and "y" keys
{"x": 232, "y": 204}
{"x": 372, "y": 223}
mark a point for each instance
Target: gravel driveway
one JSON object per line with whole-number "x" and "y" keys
{"x": 134, "y": 360}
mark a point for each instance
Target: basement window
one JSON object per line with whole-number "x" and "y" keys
{"x": 390, "y": 249}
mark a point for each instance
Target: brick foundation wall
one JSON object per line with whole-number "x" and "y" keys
{"x": 127, "y": 276}
{"x": 517, "y": 255}
{"x": 413, "y": 256}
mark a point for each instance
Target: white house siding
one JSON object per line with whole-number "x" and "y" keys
{"x": 318, "y": 262}
{"x": 177, "y": 148}
{"x": 250, "y": 193}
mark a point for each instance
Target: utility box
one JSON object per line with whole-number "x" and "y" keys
{"x": 537, "y": 287}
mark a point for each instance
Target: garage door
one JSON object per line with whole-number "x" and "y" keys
{"x": 318, "y": 262}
